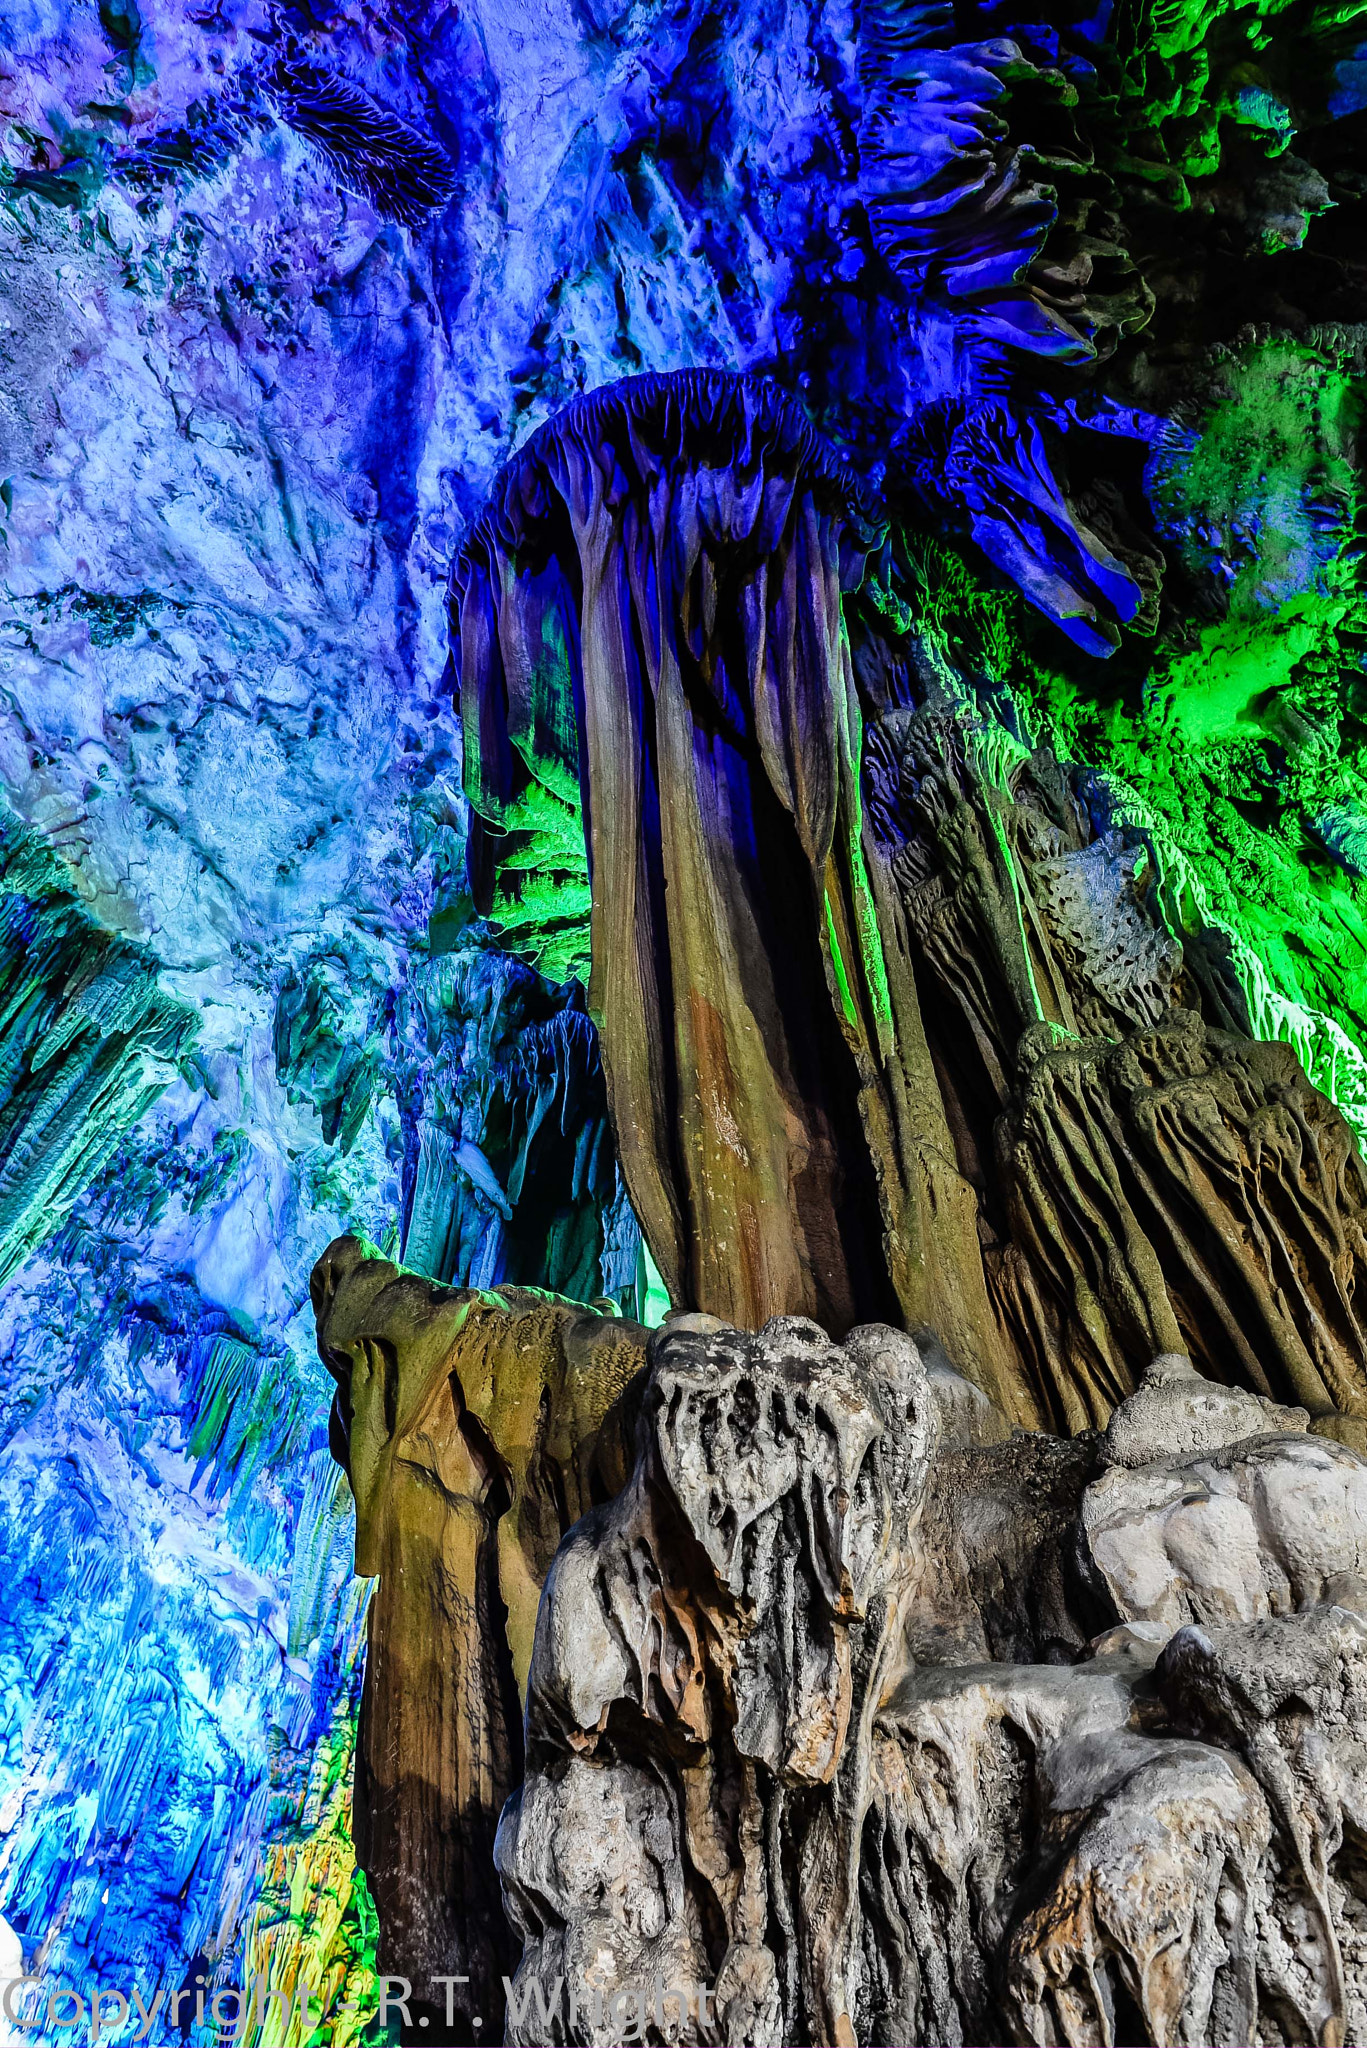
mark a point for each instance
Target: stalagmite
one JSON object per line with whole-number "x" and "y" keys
{"x": 474, "y": 1428}
{"x": 772, "y": 1751}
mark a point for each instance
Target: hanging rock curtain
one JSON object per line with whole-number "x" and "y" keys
{"x": 648, "y": 622}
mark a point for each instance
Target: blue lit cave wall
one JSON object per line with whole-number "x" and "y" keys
{"x": 281, "y": 289}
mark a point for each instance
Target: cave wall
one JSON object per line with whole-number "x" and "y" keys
{"x": 283, "y": 288}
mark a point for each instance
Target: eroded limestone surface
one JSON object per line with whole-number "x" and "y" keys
{"x": 886, "y": 1734}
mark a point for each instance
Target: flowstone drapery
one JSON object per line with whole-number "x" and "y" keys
{"x": 890, "y": 1020}
{"x": 1075, "y": 294}
{"x": 1149, "y": 1177}
{"x": 851, "y": 1714}
{"x": 649, "y": 628}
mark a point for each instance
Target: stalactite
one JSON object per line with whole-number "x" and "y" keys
{"x": 511, "y": 1164}
{"x": 1136, "y": 1168}
{"x": 650, "y": 610}
{"x": 88, "y": 1041}
{"x": 1078, "y": 302}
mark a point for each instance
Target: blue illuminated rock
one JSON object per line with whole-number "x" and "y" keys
{"x": 281, "y": 290}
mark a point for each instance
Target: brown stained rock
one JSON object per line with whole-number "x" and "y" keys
{"x": 649, "y": 614}
{"x": 475, "y": 1428}
{"x": 1148, "y": 1180}
{"x": 890, "y": 1025}
{"x": 1182, "y": 1191}
{"x": 700, "y": 534}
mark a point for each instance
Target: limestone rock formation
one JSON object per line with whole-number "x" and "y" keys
{"x": 1076, "y": 294}
{"x": 474, "y": 1428}
{"x": 650, "y": 611}
{"x": 1150, "y": 1178}
{"x": 890, "y": 1021}
{"x": 850, "y": 1704}
{"x": 821, "y": 1720}
{"x": 1174, "y": 1412}
{"x": 88, "y": 1039}
{"x": 1184, "y": 1189}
